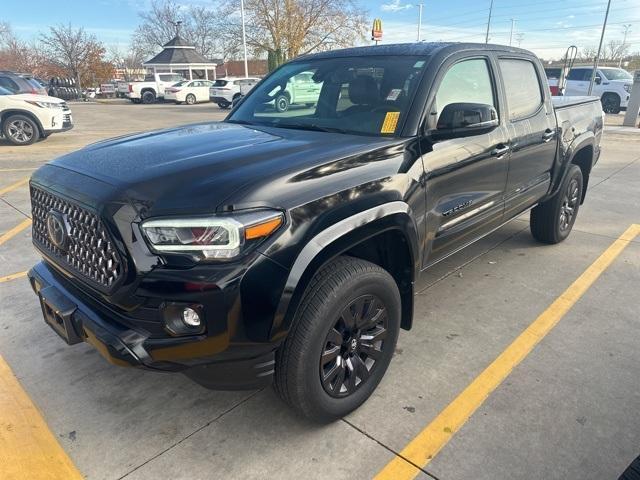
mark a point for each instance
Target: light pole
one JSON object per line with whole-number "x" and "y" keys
{"x": 420, "y": 5}
{"x": 624, "y": 43}
{"x": 244, "y": 40}
{"x": 486, "y": 38}
{"x": 513, "y": 22}
{"x": 595, "y": 63}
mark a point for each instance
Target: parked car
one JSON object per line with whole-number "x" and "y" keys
{"x": 26, "y": 117}
{"x": 188, "y": 91}
{"x": 300, "y": 90}
{"x": 225, "y": 90}
{"x": 287, "y": 247}
{"x": 612, "y": 85}
{"x": 152, "y": 88}
{"x": 21, "y": 83}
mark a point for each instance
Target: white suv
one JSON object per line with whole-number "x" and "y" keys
{"x": 25, "y": 118}
{"x": 612, "y": 85}
{"x": 225, "y": 90}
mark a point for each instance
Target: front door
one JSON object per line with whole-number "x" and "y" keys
{"x": 532, "y": 134}
{"x": 465, "y": 176}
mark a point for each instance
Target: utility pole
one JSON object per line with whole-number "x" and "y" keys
{"x": 519, "y": 37}
{"x": 244, "y": 40}
{"x": 595, "y": 63}
{"x": 624, "y": 43}
{"x": 513, "y": 22}
{"x": 420, "y": 5}
{"x": 486, "y": 38}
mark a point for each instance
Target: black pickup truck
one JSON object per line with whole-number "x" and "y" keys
{"x": 286, "y": 246}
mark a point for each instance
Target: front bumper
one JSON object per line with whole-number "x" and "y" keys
{"x": 76, "y": 319}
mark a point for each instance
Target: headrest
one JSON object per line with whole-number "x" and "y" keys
{"x": 363, "y": 90}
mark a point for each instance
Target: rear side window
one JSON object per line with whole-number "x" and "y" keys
{"x": 580, "y": 74}
{"x": 522, "y": 86}
{"x": 9, "y": 84}
{"x": 219, "y": 83}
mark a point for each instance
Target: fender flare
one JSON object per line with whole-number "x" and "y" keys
{"x": 586, "y": 139}
{"x": 327, "y": 238}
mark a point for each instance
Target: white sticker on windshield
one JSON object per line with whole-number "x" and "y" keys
{"x": 419, "y": 64}
{"x": 394, "y": 94}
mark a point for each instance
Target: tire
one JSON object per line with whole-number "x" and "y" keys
{"x": 190, "y": 99}
{"x": 282, "y": 103}
{"x": 148, "y": 97}
{"x": 324, "y": 353}
{"x": 551, "y": 221}
{"x": 20, "y": 130}
{"x": 610, "y": 103}
{"x": 137, "y": 101}
{"x": 224, "y": 105}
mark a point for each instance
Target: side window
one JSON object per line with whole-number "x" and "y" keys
{"x": 9, "y": 84}
{"x": 579, "y": 74}
{"x": 522, "y": 86}
{"x": 466, "y": 82}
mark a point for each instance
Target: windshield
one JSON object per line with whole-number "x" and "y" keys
{"x": 616, "y": 74}
{"x": 367, "y": 95}
{"x": 4, "y": 91}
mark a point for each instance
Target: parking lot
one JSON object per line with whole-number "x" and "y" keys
{"x": 468, "y": 395}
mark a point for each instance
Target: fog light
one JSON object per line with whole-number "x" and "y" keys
{"x": 191, "y": 317}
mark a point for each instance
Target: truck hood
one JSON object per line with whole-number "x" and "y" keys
{"x": 195, "y": 168}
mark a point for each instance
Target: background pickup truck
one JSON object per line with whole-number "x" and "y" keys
{"x": 152, "y": 88}
{"x": 286, "y": 247}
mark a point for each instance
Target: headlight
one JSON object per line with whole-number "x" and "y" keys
{"x": 627, "y": 87}
{"x": 223, "y": 236}
{"x": 45, "y": 104}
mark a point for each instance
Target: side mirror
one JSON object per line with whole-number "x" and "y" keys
{"x": 598, "y": 80}
{"x": 465, "y": 120}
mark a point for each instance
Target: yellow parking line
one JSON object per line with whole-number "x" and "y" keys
{"x": 17, "y": 169}
{"x": 424, "y": 447}
{"x": 15, "y": 230}
{"x": 28, "y": 449}
{"x": 13, "y": 276}
{"x": 13, "y": 186}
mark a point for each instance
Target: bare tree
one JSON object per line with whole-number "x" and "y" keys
{"x": 615, "y": 50}
{"x": 5, "y": 33}
{"x": 77, "y": 52}
{"x": 198, "y": 24}
{"x": 296, "y": 27}
{"x": 129, "y": 60}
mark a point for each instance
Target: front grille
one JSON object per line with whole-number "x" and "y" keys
{"x": 88, "y": 252}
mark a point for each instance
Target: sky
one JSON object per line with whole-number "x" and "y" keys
{"x": 547, "y": 27}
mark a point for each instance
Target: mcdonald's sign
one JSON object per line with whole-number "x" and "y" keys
{"x": 376, "y": 31}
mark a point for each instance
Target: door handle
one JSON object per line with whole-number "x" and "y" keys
{"x": 548, "y": 135}
{"x": 500, "y": 150}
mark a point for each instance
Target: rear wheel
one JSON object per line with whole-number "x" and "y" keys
{"x": 552, "y": 221}
{"x": 191, "y": 99}
{"x": 342, "y": 339}
{"x": 20, "y": 130}
{"x": 610, "y": 103}
{"x": 224, "y": 105}
{"x": 148, "y": 97}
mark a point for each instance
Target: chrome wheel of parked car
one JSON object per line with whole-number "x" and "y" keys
{"x": 20, "y": 130}
{"x": 191, "y": 99}
{"x": 353, "y": 346}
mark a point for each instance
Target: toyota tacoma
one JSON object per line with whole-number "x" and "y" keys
{"x": 286, "y": 247}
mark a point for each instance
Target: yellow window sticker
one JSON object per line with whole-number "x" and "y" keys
{"x": 390, "y": 122}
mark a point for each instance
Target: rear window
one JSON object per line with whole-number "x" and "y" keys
{"x": 522, "y": 86}
{"x": 552, "y": 72}
{"x": 220, "y": 83}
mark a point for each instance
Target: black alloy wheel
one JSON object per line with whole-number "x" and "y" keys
{"x": 353, "y": 346}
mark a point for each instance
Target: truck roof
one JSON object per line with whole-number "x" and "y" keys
{"x": 417, "y": 48}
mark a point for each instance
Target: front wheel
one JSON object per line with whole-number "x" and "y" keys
{"x": 552, "y": 221}
{"x": 191, "y": 99}
{"x": 611, "y": 103}
{"x": 342, "y": 339}
{"x": 20, "y": 130}
{"x": 282, "y": 103}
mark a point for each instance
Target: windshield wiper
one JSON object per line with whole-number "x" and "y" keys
{"x": 312, "y": 127}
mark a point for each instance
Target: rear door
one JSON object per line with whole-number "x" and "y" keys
{"x": 466, "y": 176}
{"x": 532, "y": 132}
{"x": 578, "y": 81}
